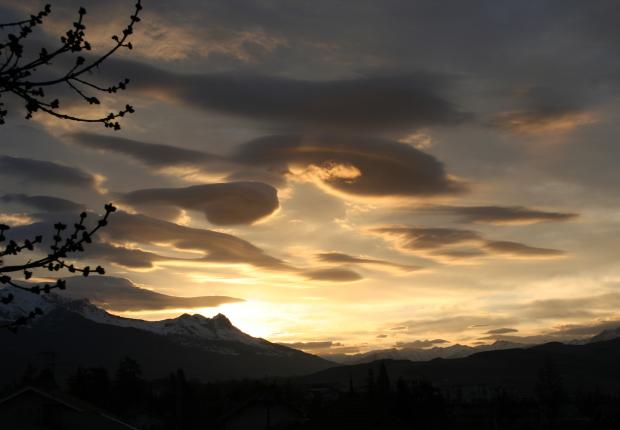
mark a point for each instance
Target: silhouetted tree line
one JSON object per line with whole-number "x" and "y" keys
{"x": 181, "y": 403}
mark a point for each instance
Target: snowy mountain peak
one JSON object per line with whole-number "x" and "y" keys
{"x": 194, "y": 329}
{"x": 222, "y": 321}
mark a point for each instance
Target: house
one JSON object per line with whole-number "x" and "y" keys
{"x": 34, "y": 409}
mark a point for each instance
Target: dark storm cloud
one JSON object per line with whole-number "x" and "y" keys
{"x": 457, "y": 243}
{"x": 364, "y": 102}
{"x": 39, "y": 172}
{"x": 362, "y": 166}
{"x": 519, "y": 249}
{"x": 502, "y": 214}
{"x": 43, "y": 203}
{"x": 333, "y": 275}
{"x": 222, "y": 204}
{"x": 501, "y": 331}
{"x": 119, "y": 294}
{"x": 426, "y": 343}
{"x": 336, "y": 257}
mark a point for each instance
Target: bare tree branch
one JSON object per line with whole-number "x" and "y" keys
{"x": 17, "y": 75}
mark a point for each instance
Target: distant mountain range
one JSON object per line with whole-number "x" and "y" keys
{"x": 453, "y": 351}
{"x": 579, "y": 368}
{"x": 421, "y": 354}
{"x": 75, "y": 333}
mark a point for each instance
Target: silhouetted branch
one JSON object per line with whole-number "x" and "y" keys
{"x": 17, "y": 76}
{"x": 60, "y": 249}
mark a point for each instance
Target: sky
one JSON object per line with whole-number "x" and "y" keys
{"x": 344, "y": 175}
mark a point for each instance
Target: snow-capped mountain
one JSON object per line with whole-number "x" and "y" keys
{"x": 79, "y": 334}
{"x": 215, "y": 334}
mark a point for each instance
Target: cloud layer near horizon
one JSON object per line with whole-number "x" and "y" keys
{"x": 121, "y": 295}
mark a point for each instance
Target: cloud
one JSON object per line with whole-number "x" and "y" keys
{"x": 176, "y": 161}
{"x": 40, "y": 172}
{"x": 391, "y": 102}
{"x": 137, "y": 241}
{"x": 353, "y": 165}
{"x": 501, "y": 331}
{"x": 336, "y": 257}
{"x": 457, "y": 244}
{"x": 460, "y": 254}
{"x": 502, "y": 214}
{"x": 43, "y": 203}
{"x": 562, "y": 333}
{"x": 361, "y": 166}
{"x": 131, "y": 258}
{"x": 151, "y": 154}
{"x": 426, "y": 343}
{"x": 126, "y": 237}
{"x": 13, "y": 219}
{"x": 214, "y": 246}
{"x": 222, "y": 204}
{"x": 335, "y": 275}
{"x": 322, "y": 347}
{"x": 579, "y": 307}
{"x": 417, "y": 238}
{"x": 119, "y": 294}
{"x": 516, "y": 249}
{"x": 311, "y": 345}
{"x": 454, "y": 324}
{"x": 543, "y": 120}
{"x": 591, "y": 329}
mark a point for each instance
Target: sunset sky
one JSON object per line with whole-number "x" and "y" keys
{"x": 359, "y": 174}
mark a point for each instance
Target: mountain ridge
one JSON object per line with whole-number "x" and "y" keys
{"x": 78, "y": 333}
